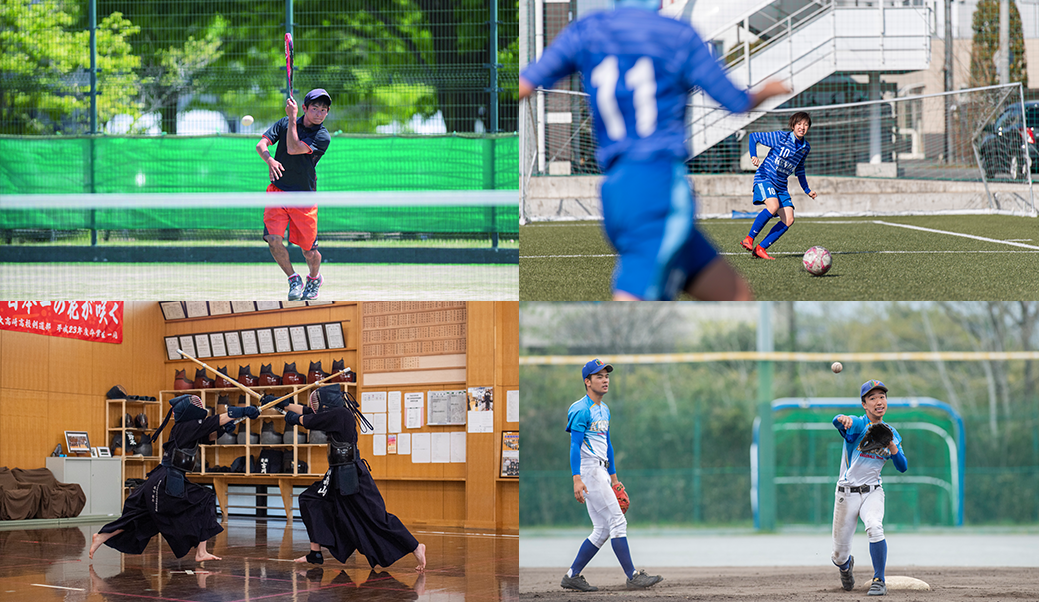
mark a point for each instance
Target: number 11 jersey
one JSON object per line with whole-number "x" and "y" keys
{"x": 638, "y": 68}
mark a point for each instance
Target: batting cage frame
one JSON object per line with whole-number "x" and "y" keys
{"x": 783, "y": 418}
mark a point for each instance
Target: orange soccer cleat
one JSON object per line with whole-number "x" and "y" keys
{"x": 748, "y": 244}
{"x": 759, "y": 252}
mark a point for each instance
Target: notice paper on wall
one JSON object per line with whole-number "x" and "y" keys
{"x": 458, "y": 446}
{"x": 441, "y": 448}
{"x": 404, "y": 444}
{"x": 420, "y": 450}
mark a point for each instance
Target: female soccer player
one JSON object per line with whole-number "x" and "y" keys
{"x": 787, "y": 155}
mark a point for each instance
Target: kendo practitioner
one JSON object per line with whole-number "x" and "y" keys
{"x": 168, "y": 503}
{"x": 344, "y": 511}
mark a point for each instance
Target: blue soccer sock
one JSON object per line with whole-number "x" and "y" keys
{"x": 774, "y": 234}
{"x": 878, "y": 552}
{"x": 759, "y": 222}
{"x": 584, "y": 556}
{"x": 620, "y": 548}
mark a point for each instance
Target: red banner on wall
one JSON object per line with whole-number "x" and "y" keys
{"x": 100, "y": 321}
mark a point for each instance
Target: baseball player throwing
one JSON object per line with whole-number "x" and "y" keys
{"x": 591, "y": 461}
{"x": 869, "y": 442}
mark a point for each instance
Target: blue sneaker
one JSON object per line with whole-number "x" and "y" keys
{"x": 312, "y": 288}
{"x": 295, "y": 287}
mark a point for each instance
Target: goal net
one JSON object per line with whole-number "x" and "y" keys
{"x": 971, "y": 151}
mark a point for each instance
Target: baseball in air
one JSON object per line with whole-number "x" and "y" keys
{"x": 836, "y": 367}
{"x": 247, "y": 120}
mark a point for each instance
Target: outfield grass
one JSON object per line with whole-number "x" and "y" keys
{"x": 874, "y": 258}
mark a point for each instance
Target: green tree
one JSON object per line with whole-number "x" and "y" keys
{"x": 45, "y": 66}
{"x": 985, "y": 45}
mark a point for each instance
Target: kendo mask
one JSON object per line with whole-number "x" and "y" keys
{"x": 187, "y": 408}
{"x": 325, "y": 398}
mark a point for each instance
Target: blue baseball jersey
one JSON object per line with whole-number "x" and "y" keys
{"x": 638, "y": 68}
{"x": 787, "y": 156}
{"x": 858, "y": 468}
{"x": 593, "y": 419}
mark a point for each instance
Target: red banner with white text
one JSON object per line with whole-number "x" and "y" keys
{"x": 100, "y": 321}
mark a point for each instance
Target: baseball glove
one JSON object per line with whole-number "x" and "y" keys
{"x": 878, "y": 437}
{"x": 622, "y": 497}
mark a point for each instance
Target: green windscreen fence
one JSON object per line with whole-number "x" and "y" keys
{"x": 230, "y": 164}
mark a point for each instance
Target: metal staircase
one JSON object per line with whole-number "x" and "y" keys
{"x": 801, "y": 43}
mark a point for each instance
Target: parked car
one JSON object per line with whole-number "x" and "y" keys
{"x": 1004, "y": 142}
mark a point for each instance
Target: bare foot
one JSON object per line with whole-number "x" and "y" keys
{"x": 96, "y": 542}
{"x": 420, "y": 554}
{"x": 201, "y": 556}
{"x": 301, "y": 559}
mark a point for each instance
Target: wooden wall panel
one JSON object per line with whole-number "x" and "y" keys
{"x": 52, "y": 384}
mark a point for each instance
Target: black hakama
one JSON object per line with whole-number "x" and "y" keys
{"x": 345, "y": 523}
{"x": 184, "y": 522}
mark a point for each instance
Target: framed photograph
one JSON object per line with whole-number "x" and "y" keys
{"x": 313, "y": 303}
{"x": 267, "y": 305}
{"x": 197, "y": 309}
{"x": 249, "y": 345}
{"x": 298, "y": 334}
{"x": 104, "y": 452}
{"x": 219, "y": 308}
{"x": 78, "y": 442}
{"x": 316, "y": 336}
{"x": 510, "y": 454}
{"x": 173, "y": 310}
{"x": 216, "y": 342}
{"x": 202, "y": 345}
{"x": 291, "y": 304}
{"x": 281, "y": 340}
{"x": 241, "y": 307}
{"x": 93, "y": 452}
{"x": 234, "y": 343}
{"x": 172, "y": 345}
{"x": 334, "y": 333}
{"x": 265, "y": 339}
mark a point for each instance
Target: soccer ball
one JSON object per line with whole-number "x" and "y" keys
{"x": 817, "y": 261}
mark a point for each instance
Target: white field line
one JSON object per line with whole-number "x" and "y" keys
{"x": 971, "y": 236}
{"x": 774, "y": 253}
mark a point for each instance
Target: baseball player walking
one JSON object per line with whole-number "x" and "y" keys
{"x": 591, "y": 461}
{"x": 869, "y": 442}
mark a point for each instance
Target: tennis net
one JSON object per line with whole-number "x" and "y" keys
{"x": 385, "y": 244}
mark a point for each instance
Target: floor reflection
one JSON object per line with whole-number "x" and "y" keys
{"x": 41, "y": 565}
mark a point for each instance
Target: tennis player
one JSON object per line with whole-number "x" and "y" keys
{"x": 638, "y": 68}
{"x": 302, "y": 141}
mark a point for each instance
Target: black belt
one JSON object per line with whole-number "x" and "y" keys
{"x": 860, "y": 489}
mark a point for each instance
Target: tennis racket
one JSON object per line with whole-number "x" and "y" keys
{"x": 289, "y": 56}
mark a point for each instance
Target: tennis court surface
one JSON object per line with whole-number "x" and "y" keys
{"x": 947, "y": 257}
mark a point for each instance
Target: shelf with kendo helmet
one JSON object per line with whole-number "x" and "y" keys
{"x": 129, "y": 418}
{"x": 269, "y": 452}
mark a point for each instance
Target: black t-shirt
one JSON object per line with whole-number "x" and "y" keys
{"x": 299, "y": 174}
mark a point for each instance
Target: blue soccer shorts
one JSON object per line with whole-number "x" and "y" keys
{"x": 764, "y": 191}
{"x": 649, "y": 216}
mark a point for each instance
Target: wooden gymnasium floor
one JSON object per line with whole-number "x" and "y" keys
{"x": 51, "y": 564}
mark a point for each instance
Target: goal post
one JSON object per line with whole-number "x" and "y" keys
{"x": 804, "y": 456}
{"x": 895, "y": 156}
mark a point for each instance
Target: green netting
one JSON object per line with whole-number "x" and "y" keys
{"x": 429, "y": 218}
{"x": 230, "y": 164}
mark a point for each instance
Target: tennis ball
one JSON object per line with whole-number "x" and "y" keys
{"x": 836, "y": 367}
{"x": 247, "y": 120}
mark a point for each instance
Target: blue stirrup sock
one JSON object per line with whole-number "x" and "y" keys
{"x": 774, "y": 234}
{"x": 846, "y": 564}
{"x": 878, "y": 552}
{"x": 759, "y": 222}
{"x": 620, "y": 548}
{"x": 584, "y": 556}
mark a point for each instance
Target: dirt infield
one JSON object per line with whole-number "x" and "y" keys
{"x": 785, "y": 583}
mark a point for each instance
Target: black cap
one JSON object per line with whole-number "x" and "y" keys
{"x": 315, "y": 94}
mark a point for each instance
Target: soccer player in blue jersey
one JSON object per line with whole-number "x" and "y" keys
{"x": 787, "y": 154}
{"x": 638, "y": 68}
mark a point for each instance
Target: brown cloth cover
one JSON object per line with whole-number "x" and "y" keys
{"x": 58, "y": 500}
{"x": 17, "y": 500}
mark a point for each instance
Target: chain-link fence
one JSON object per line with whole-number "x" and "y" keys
{"x": 196, "y": 68}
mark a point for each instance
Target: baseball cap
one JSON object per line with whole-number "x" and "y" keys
{"x": 869, "y": 385}
{"x": 594, "y": 366}
{"x": 315, "y": 94}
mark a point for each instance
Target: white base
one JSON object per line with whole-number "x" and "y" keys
{"x": 894, "y": 583}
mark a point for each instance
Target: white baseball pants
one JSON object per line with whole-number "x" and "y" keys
{"x": 847, "y": 509}
{"x": 607, "y": 519}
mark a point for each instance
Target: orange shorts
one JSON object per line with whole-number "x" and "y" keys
{"x": 301, "y": 222}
